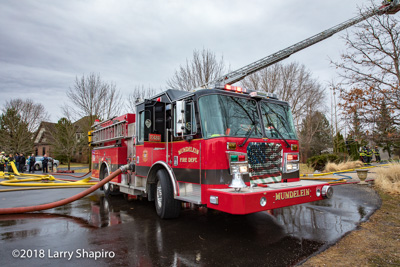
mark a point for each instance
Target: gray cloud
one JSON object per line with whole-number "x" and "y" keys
{"x": 45, "y": 44}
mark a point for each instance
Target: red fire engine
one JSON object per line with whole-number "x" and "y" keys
{"x": 226, "y": 148}
{"x": 220, "y": 146}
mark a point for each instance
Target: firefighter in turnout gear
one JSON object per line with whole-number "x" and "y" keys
{"x": 377, "y": 154}
{"x": 369, "y": 155}
{"x": 9, "y": 160}
{"x": 2, "y": 161}
{"x": 363, "y": 154}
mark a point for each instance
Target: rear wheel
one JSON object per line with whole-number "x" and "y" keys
{"x": 166, "y": 206}
{"x": 108, "y": 188}
{"x": 37, "y": 167}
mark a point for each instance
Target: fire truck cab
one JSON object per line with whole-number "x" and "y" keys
{"x": 224, "y": 148}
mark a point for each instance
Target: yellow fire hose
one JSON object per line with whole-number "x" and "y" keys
{"x": 43, "y": 187}
{"x": 13, "y": 181}
{"x": 23, "y": 182}
{"x": 329, "y": 173}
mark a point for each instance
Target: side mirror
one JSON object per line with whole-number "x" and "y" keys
{"x": 180, "y": 118}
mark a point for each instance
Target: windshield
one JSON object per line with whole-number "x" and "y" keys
{"x": 278, "y": 118}
{"x": 223, "y": 115}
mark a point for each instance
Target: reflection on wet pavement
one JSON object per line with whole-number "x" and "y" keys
{"x": 198, "y": 238}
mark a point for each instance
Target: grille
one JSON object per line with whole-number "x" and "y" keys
{"x": 264, "y": 162}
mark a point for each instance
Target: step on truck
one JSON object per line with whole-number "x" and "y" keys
{"x": 220, "y": 146}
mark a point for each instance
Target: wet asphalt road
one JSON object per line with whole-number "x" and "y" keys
{"x": 122, "y": 233}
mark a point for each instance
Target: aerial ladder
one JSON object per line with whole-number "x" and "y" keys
{"x": 388, "y": 7}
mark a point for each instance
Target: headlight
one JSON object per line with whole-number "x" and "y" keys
{"x": 235, "y": 169}
{"x": 243, "y": 169}
{"x": 292, "y": 166}
{"x": 291, "y": 162}
{"x": 239, "y": 169}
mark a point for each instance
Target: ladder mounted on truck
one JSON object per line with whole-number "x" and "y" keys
{"x": 388, "y": 7}
{"x": 115, "y": 131}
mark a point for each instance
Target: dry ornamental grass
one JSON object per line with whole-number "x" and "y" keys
{"x": 388, "y": 178}
{"x": 348, "y": 165}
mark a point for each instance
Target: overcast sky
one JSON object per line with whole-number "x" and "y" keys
{"x": 45, "y": 44}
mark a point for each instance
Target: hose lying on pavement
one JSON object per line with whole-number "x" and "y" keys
{"x": 42, "y": 187}
{"x": 67, "y": 200}
{"x": 71, "y": 175}
{"x": 23, "y": 182}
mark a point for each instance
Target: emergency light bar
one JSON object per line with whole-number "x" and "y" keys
{"x": 257, "y": 94}
{"x": 241, "y": 90}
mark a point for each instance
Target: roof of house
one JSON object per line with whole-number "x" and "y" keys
{"x": 42, "y": 131}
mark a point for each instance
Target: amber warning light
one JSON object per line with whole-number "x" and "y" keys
{"x": 236, "y": 89}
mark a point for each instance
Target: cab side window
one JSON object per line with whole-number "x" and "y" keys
{"x": 184, "y": 118}
{"x": 145, "y": 124}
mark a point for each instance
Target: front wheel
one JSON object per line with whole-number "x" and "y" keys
{"x": 37, "y": 167}
{"x": 167, "y": 206}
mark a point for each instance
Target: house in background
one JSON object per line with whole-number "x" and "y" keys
{"x": 43, "y": 140}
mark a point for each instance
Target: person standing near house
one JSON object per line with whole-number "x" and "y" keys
{"x": 45, "y": 163}
{"x": 361, "y": 153}
{"x": 31, "y": 162}
{"x": 377, "y": 154}
{"x": 10, "y": 160}
{"x": 2, "y": 161}
{"x": 22, "y": 161}
{"x": 369, "y": 155}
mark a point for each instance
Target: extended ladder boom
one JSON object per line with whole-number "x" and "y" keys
{"x": 390, "y": 7}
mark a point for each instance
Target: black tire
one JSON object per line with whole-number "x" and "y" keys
{"x": 109, "y": 189}
{"x": 37, "y": 167}
{"x": 106, "y": 187}
{"x": 166, "y": 206}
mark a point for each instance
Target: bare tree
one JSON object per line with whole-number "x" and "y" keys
{"x": 204, "y": 67}
{"x": 292, "y": 83}
{"x": 30, "y": 113}
{"x": 137, "y": 94}
{"x": 370, "y": 69}
{"x": 64, "y": 139}
{"x": 93, "y": 98}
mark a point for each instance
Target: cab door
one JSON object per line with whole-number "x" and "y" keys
{"x": 186, "y": 151}
{"x": 151, "y": 135}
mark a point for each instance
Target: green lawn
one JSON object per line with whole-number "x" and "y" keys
{"x": 73, "y": 165}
